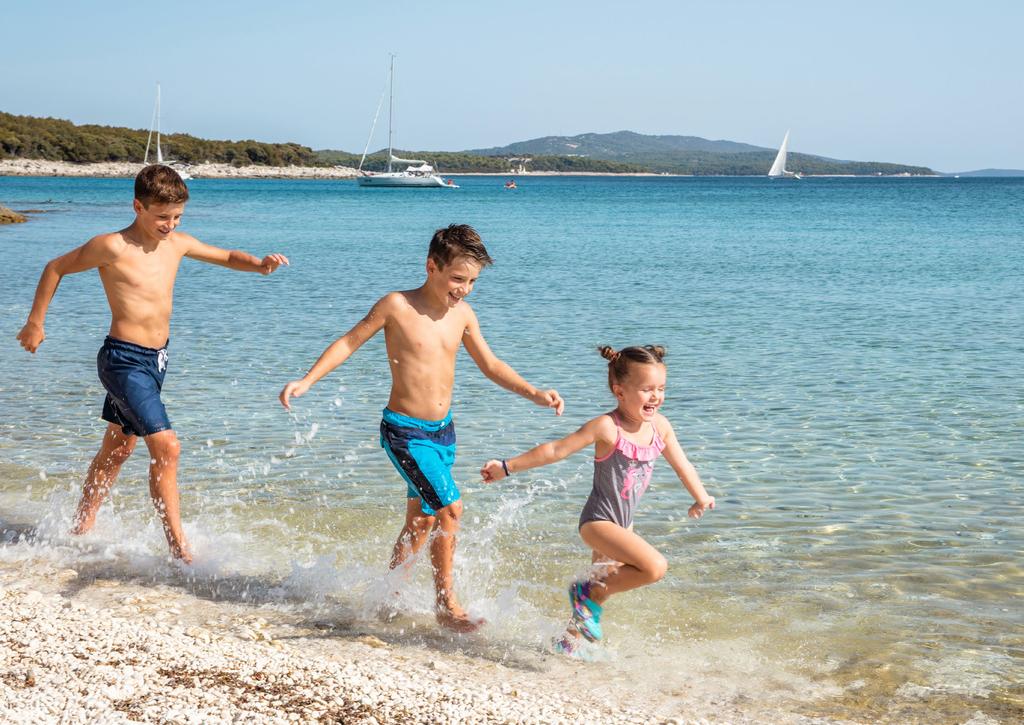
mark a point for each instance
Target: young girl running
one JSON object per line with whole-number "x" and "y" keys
{"x": 626, "y": 442}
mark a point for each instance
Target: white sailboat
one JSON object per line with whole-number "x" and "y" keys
{"x": 154, "y": 127}
{"x": 778, "y": 169}
{"x": 417, "y": 174}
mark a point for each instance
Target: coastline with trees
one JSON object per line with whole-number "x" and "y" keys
{"x": 56, "y": 147}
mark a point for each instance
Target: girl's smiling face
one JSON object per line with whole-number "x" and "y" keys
{"x": 642, "y": 392}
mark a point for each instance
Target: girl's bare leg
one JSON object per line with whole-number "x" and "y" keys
{"x": 639, "y": 562}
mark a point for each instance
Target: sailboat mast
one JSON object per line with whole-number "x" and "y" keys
{"x": 159, "y": 154}
{"x": 391, "y": 106}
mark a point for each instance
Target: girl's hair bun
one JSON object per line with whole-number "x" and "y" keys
{"x": 608, "y": 352}
{"x": 657, "y": 351}
{"x": 620, "y": 360}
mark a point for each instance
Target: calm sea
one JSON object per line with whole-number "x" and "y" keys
{"x": 845, "y": 362}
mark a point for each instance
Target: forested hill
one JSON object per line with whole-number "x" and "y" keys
{"x": 52, "y": 139}
{"x": 618, "y": 146}
{"x": 690, "y": 155}
{"x": 27, "y": 137}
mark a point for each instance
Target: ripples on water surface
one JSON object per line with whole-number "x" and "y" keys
{"x": 844, "y": 370}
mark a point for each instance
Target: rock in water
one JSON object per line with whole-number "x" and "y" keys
{"x": 11, "y": 217}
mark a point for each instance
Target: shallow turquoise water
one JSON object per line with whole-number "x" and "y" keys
{"x": 844, "y": 371}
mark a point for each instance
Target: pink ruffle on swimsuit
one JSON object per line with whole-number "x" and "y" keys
{"x": 620, "y": 479}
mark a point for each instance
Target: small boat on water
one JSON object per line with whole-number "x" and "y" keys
{"x": 417, "y": 174}
{"x": 510, "y": 184}
{"x": 778, "y": 169}
{"x": 154, "y": 127}
{"x": 422, "y": 175}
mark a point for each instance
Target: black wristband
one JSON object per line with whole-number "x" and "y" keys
{"x": 504, "y": 465}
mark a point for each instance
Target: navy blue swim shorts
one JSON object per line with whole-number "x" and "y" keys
{"x": 423, "y": 451}
{"x": 133, "y": 376}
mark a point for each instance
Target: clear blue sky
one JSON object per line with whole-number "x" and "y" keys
{"x": 931, "y": 83}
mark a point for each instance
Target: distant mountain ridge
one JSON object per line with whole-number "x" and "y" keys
{"x": 616, "y": 146}
{"x": 690, "y": 155}
{"x": 988, "y": 172}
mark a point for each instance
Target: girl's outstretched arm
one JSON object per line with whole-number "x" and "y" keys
{"x": 685, "y": 470}
{"x": 545, "y": 453}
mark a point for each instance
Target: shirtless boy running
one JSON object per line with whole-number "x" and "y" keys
{"x": 137, "y": 266}
{"x": 423, "y": 329}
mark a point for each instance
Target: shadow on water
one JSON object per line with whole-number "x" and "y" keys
{"x": 299, "y": 617}
{"x": 16, "y": 533}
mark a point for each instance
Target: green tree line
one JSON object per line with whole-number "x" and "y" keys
{"x": 454, "y": 162}
{"x": 52, "y": 139}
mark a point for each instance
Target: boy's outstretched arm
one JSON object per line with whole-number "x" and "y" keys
{"x": 233, "y": 259}
{"x": 339, "y": 351}
{"x": 501, "y": 372}
{"x": 97, "y": 252}
{"x": 685, "y": 470}
{"x": 545, "y": 453}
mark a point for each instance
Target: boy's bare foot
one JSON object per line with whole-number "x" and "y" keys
{"x": 181, "y": 552}
{"x": 458, "y": 620}
{"x": 83, "y": 522}
{"x": 81, "y": 527}
{"x": 388, "y": 611}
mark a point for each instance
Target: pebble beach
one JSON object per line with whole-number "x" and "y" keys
{"x": 76, "y": 647}
{"x": 117, "y": 169}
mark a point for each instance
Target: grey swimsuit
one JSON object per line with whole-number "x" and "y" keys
{"x": 620, "y": 479}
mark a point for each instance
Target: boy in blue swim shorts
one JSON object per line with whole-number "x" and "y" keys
{"x": 137, "y": 266}
{"x": 423, "y": 330}
{"x": 423, "y": 451}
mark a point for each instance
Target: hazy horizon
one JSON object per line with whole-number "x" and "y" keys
{"x": 925, "y": 84}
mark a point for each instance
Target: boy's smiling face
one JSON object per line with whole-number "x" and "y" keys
{"x": 454, "y": 281}
{"x": 158, "y": 220}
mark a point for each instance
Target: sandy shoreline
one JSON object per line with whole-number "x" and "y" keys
{"x": 86, "y": 645}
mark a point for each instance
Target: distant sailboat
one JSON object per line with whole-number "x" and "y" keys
{"x": 154, "y": 127}
{"x": 421, "y": 176}
{"x": 778, "y": 169}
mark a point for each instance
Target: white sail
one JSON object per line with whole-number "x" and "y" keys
{"x": 154, "y": 128}
{"x": 154, "y": 125}
{"x": 779, "y": 167}
{"x": 396, "y": 160}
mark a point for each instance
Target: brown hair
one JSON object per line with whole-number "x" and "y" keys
{"x": 160, "y": 184}
{"x": 457, "y": 240}
{"x": 620, "y": 360}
